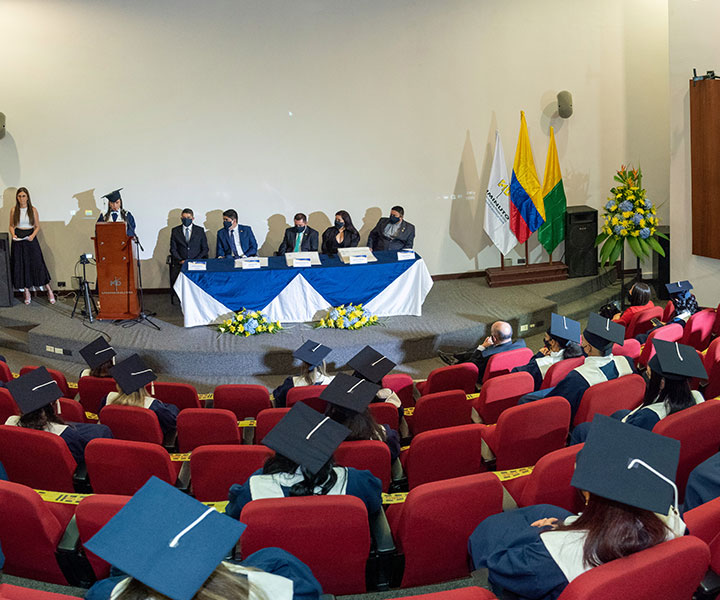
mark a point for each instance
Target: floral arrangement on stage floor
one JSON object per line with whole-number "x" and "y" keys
{"x": 629, "y": 215}
{"x": 350, "y": 316}
{"x": 249, "y": 322}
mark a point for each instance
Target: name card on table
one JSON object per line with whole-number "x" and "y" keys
{"x": 358, "y": 259}
{"x": 301, "y": 262}
{"x": 248, "y": 263}
{"x": 406, "y": 255}
{"x": 197, "y": 266}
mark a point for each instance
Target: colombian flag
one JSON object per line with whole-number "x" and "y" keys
{"x": 527, "y": 211}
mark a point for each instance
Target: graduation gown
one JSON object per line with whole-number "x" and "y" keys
{"x": 166, "y": 413}
{"x": 539, "y": 365}
{"x": 704, "y": 483}
{"x": 280, "y": 392}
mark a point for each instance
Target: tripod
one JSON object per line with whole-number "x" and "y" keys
{"x": 143, "y": 317}
{"x": 90, "y": 305}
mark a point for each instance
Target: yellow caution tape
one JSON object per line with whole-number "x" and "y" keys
{"x": 513, "y": 473}
{"x": 408, "y": 412}
{"x": 403, "y": 448}
{"x": 247, "y": 423}
{"x": 208, "y": 396}
{"x": 72, "y": 384}
{"x": 472, "y": 396}
{"x": 91, "y": 416}
{"x": 218, "y": 506}
{"x": 397, "y": 498}
{"x": 65, "y": 498}
{"x": 180, "y": 457}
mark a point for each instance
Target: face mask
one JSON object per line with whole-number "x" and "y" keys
{"x": 339, "y": 224}
{"x": 187, "y": 221}
{"x": 227, "y": 224}
{"x": 394, "y": 219}
{"x": 299, "y": 228}
{"x": 547, "y": 344}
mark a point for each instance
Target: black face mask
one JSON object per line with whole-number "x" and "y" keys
{"x": 394, "y": 219}
{"x": 339, "y": 224}
{"x": 187, "y": 221}
{"x": 299, "y": 228}
{"x": 547, "y": 344}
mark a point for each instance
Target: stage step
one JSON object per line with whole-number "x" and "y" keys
{"x": 526, "y": 274}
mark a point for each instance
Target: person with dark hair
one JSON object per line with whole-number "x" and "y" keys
{"x": 342, "y": 234}
{"x": 686, "y": 305}
{"x": 187, "y": 242}
{"x": 392, "y": 233}
{"x": 117, "y": 214}
{"x": 300, "y": 238}
{"x": 639, "y": 296}
{"x": 304, "y": 442}
{"x": 100, "y": 357}
{"x": 313, "y": 371}
{"x": 562, "y": 340}
{"x": 536, "y": 551}
{"x": 27, "y": 264}
{"x": 233, "y": 240}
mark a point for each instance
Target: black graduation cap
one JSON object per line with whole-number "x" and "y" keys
{"x": 167, "y": 540}
{"x": 34, "y": 390}
{"x": 601, "y": 332}
{"x": 132, "y": 374}
{"x": 312, "y": 353}
{"x": 676, "y": 361}
{"x": 564, "y": 328}
{"x": 97, "y": 352}
{"x": 113, "y": 196}
{"x": 372, "y": 365}
{"x": 678, "y": 286}
{"x": 306, "y": 437}
{"x": 614, "y": 464}
{"x": 350, "y": 392}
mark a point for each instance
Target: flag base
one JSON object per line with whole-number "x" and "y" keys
{"x": 525, "y": 274}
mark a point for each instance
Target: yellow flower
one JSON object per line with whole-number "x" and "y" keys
{"x": 362, "y": 320}
{"x": 624, "y": 223}
{"x": 322, "y": 323}
{"x": 614, "y": 221}
{"x": 640, "y": 211}
{"x": 627, "y": 214}
{"x": 261, "y": 328}
{"x": 240, "y": 327}
{"x": 652, "y": 231}
{"x": 653, "y": 210}
{"x": 613, "y": 207}
{"x": 635, "y": 233}
{"x": 618, "y": 195}
{"x": 623, "y": 232}
{"x": 330, "y": 323}
{"x": 246, "y": 334}
{"x": 641, "y": 224}
{"x": 341, "y": 312}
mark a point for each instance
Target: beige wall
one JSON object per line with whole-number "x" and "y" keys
{"x": 693, "y": 43}
{"x": 187, "y": 103}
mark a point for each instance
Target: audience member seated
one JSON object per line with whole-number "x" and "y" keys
{"x": 668, "y": 390}
{"x": 100, "y": 357}
{"x": 600, "y": 365}
{"x": 348, "y": 398}
{"x": 168, "y": 545}
{"x": 131, "y": 376}
{"x": 639, "y": 296}
{"x": 35, "y": 393}
{"x": 313, "y": 371}
{"x": 500, "y": 340}
{"x": 304, "y": 442}
{"x": 562, "y": 340}
{"x": 703, "y": 484}
{"x": 534, "y": 552}
{"x": 685, "y": 304}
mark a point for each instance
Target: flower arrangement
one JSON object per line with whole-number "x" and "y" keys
{"x": 247, "y": 323}
{"x": 350, "y": 316}
{"x": 629, "y": 215}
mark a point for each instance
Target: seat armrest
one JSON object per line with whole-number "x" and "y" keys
{"x": 709, "y": 586}
{"x": 72, "y": 561}
{"x": 381, "y": 534}
{"x": 81, "y": 481}
{"x": 70, "y": 541}
{"x": 170, "y": 441}
{"x": 183, "y": 480}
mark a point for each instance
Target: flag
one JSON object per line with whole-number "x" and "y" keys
{"x": 497, "y": 203}
{"x": 527, "y": 212}
{"x": 552, "y": 232}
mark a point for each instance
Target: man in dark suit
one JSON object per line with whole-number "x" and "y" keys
{"x": 392, "y": 233}
{"x": 234, "y": 240}
{"x": 187, "y": 242}
{"x": 500, "y": 340}
{"x": 300, "y": 238}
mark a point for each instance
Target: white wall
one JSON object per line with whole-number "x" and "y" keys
{"x": 188, "y": 103}
{"x": 693, "y": 43}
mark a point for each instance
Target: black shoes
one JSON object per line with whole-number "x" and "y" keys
{"x": 448, "y": 359}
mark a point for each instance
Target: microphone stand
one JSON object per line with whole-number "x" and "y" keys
{"x": 143, "y": 317}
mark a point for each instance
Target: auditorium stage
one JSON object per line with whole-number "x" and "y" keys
{"x": 456, "y": 314}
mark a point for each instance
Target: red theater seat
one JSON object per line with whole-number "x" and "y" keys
{"x": 132, "y": 423}
{"x": 501, "y": 393}
{"x": 206, "y": 426}
{"x": 213, "y": 469}
{"x": 246, "y": 401}
{"x": 455, "y": 377}
{"x": 371, "y": 455}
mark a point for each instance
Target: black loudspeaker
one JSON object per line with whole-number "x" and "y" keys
{"x": 581, "y": 255}
{"x": 6, "y": 293}
{"x": 661, "y": 265}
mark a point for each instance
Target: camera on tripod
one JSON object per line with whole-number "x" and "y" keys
{"x": 85, "y": 258}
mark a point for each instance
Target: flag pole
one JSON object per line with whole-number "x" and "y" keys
{"x": 502, "y": 261}
{"x": 527, "y": 255}
{"x": 549, "y": 258}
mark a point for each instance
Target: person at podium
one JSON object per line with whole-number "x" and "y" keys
{"x": 341, "y": 235}
{"x": 234, "y": 240}
{"x": 299, "y": 238}
{"x": 116, "y": 213}
{"x": 392, "y": 233}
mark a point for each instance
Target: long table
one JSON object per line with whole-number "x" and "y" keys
{"x": 386, "y": 288}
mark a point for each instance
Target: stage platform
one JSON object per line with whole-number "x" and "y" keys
{"x": 456, "y": 314}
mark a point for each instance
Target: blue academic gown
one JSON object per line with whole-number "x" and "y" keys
{"x": 166, "y": 413}
{"x": 704, "y": 483}
{"x": 361, "y": 484}
{"x": 248, "y": 244}
{"x": 538, "y": 365}
{"x": 129, "y": 222}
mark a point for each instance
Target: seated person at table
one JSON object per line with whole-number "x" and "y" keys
{"x": 233, "y": 240}
{"x": 166, "y": 544}
{"x": 536, "y": 551}
{"x": 35, "y": 393}
{"x": 116, "y": 213}
{"x": 347, "y": 400}
{"x": 341, "y": 235}
{"x": 100, "y": 357}
{"x": 131, "y": 376}
{"x": 187, "y": 242}
{"x": 312, "y": 372}
{"x": 562, "y": 340}
{"x": 499, "y": 340}
{"x": 304, "y": 442}
{"x": 639, "y": 296}
{"x": 300, "y": 238}
{"x": 667, "y": 392}
{"x": 392, "y": 233}
{"x": 600, "y": 364}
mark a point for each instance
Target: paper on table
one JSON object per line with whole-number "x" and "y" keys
{"x": 346, "y": 253}
{"x": 313, "y": 256}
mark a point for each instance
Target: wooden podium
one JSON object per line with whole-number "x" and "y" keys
{"x": 117, "y": 278}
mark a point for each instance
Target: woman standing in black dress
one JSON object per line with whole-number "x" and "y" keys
{"x": 28, "y": 266}
{"x": 341, "y": 235}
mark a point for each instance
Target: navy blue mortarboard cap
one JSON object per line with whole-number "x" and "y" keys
{"x": 350, "y": 392}
{"x": 166, "y": 540}
{"x": 564, "y": 328}
{"x": 610, "y": 448}
{"x": 306, "y": 437}
{"x": 676, "y": 361}
{"x": 678, "y": 286}
{"x": 371, "y": 365}
{"x": 97, "y": 352}
{"x": 34, "y": 390}
{"x": 601, "y": 332}
{"x": 312, "y": 353}
{"x": 113, "y": 196}
{"x": 132, "y": 374}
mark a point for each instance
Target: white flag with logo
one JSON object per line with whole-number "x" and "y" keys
{"x": 497, "y": 203}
